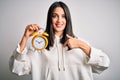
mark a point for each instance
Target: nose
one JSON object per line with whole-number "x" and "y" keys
{"x": 59, "y": 19}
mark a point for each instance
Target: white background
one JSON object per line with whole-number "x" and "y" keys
{"x": 97, "y": 21}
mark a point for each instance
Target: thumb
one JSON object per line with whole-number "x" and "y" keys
{"x": 69, "y": 37}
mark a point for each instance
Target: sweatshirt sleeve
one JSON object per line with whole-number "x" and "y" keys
{"x": 20, "y": 62}
{"x": 98, "y": 60}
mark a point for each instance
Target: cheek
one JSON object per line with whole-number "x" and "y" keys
{"x": 64, "y": 20}
{"x": 53, "y": 22}
{"x": 65, "y": 23}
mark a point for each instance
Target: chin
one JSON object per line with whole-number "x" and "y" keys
{"x": 59, "y": 30}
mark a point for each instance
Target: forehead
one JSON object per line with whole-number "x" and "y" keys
{"x": 59, "y": 10}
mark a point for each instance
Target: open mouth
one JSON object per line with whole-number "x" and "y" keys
{"x": 59, "y": 25}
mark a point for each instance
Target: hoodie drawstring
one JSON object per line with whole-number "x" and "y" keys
{"x": 63, "y": 61}
{"x": 61, "y": 56}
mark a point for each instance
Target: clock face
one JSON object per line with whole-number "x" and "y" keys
{"x": 39, "y": 42}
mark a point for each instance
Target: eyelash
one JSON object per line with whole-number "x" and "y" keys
{"x": 54, "y": 16}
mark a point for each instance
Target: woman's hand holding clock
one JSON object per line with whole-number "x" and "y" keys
{"x": 29, "y": 30}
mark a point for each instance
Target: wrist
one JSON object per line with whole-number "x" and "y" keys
{"x": 26, "y": 36}
{"x": 86, "y": 48}
{"x": 23, "y": 43}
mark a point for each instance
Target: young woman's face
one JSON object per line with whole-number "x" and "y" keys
{"x": 58, "y": 20}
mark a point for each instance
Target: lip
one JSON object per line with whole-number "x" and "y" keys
{"x": 59, "y": 25}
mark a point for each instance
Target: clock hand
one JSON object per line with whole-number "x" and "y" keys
{"x": 39, "y": 42}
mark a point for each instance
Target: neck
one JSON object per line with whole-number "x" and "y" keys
{"x": 59, "y": 34}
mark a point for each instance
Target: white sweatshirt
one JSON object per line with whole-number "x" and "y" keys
{"x": 58, "y": 63}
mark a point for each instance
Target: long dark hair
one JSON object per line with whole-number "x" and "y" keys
{"x": 49, "y": 28}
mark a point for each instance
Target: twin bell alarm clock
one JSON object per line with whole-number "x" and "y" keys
{"x": 39, "y": 40}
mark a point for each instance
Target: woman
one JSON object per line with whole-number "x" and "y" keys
{"x": 65, "y": 58}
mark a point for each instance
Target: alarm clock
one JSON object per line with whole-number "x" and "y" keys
{"x": 39, "y": 40}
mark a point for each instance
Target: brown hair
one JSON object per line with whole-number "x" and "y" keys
{"x": 49, "y": 28}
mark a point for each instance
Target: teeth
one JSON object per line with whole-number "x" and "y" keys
{"x": 58, "y": 25}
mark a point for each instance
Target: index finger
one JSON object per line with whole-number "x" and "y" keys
{"x": 66, "y": 43}
{"x": 69, "y": 37}
{"x": 37, "y": 27}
